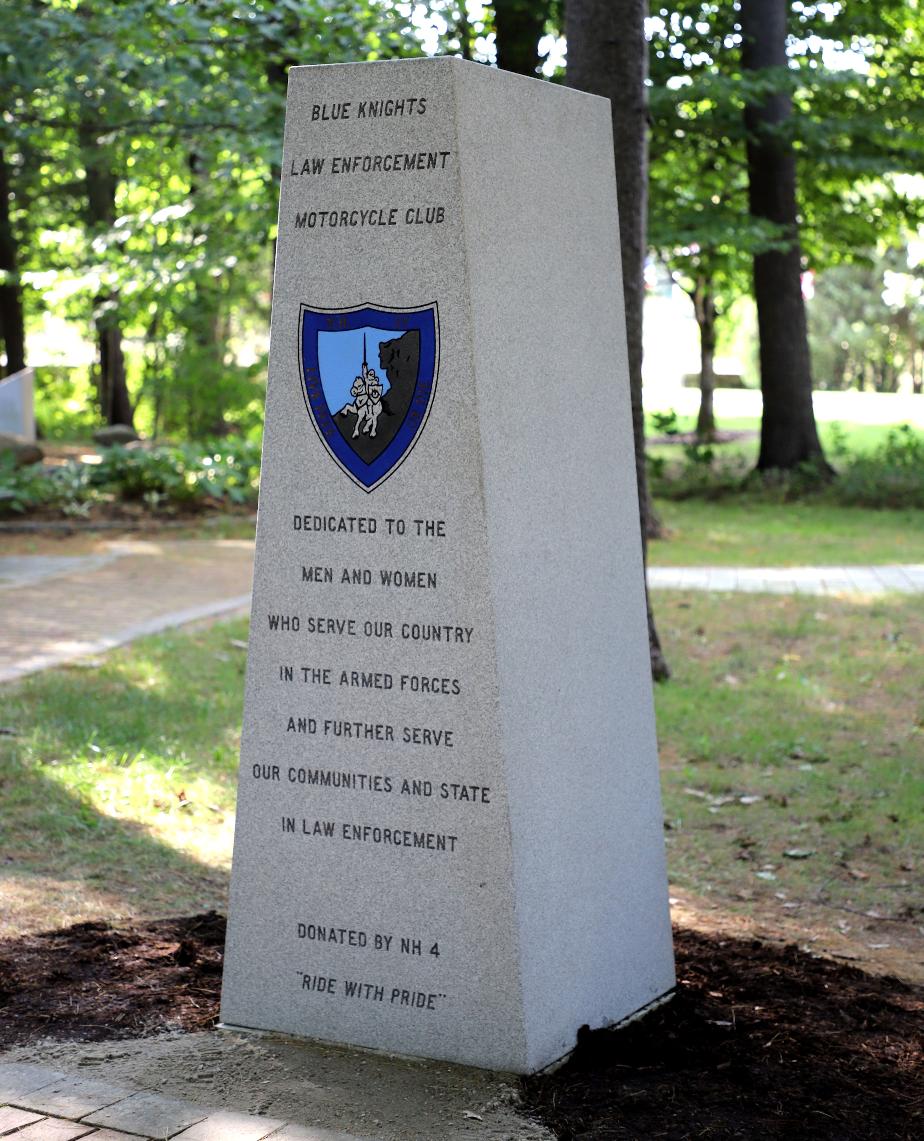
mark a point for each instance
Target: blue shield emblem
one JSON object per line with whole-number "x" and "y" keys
{"x": 368, "y": 379}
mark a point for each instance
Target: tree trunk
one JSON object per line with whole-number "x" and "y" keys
{"x": 12, "y": 320}
{"x": 113, "y": 389}
{"x": 704, "y": 307}
{"x": 608, "y": 55}
{"x": 464, "y": 33}
{"x": 101, "y": 185}
{"x": 277, "y": 76}
{"x": 788, "y": 436}
{"x": 518, "y": 25}
{"x": 204, "y": 326}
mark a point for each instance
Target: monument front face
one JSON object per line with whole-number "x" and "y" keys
{"x": 449, "y": 837}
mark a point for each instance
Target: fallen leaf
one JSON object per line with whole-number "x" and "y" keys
{"x": 798, "y": 853}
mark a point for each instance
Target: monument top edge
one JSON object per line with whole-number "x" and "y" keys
{"x": 415, "y": 60}
{"x": 298, "y": 71}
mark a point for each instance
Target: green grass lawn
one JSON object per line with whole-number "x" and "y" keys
{"x": 119, "y": 781}
{"x": 729, "y": 533}
{"x": 791, "y": 736}
{"x": 855, "y": 436}
{"x": 791, "y": 741}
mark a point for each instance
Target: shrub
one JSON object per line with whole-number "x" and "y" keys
{"x": 700, "y": 472}
{"x": 890, "y": 476}
{"x": 167, "y": 475}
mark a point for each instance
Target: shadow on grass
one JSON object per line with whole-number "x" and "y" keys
{"x": 100, "y": 760}
{"x": 51, "y": 835}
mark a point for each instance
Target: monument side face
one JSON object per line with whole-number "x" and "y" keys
{"x": 372, "y": 897}
{"x": 448, "y": 839}
{"x": 577, "y": 713}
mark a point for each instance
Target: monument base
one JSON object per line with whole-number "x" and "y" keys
{"x": 550, "y": 1068}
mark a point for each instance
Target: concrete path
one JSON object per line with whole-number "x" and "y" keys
{"x": 57, "y": 608}
{"x": 905, "y": 579}
{"x": 54, "y": 609}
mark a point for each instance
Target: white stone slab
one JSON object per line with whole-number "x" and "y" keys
{"x": 18, "y": 1079}
{"x": 514, "y": 889}
{"x": 75, "y": 1097}
{"x": 12, "y": 1119}
{"x": 148, "y": 1114}
{"x": 227, "y": 1126}
{"x": 17, "y": 412}
{"x": 54, "y": 1129}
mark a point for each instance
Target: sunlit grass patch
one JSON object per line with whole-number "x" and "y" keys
{"x": 123, "y": 776}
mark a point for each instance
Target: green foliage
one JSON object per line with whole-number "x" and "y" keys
{"x": 866, "y": 324}
{"x": 25, "y": 488}
{"x": 890, "y": 476}
{"x": 694, "y": 476}
{"x": 142, "y": 140}
{"x": 180, "y": 474}
{"x": 667, "y": 423}
{"x": 167, "y": 476}
{"x": 857, "y": 124}
{"x": 64, "y": 403}
{"x": 857, "y": 128}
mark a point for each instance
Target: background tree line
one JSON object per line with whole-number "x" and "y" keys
{"x": 139, "y": 147}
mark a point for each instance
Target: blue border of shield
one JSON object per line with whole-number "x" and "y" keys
{"x": 313, "y": 320}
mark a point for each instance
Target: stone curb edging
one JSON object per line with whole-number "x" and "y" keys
{"x": 226, "y": 606}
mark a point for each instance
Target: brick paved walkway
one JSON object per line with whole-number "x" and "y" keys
{"x": 56, "y": 609}
{"x": 41, "y": 1104}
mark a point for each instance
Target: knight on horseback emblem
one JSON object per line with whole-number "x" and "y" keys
{"x": 366, "y": 404}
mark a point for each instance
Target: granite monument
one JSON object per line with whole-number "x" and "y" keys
{"x": 449, "y": 835}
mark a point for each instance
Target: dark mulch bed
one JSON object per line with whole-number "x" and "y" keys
{"x": 760, "y": 1042}
{"x": 93, "y": 981}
